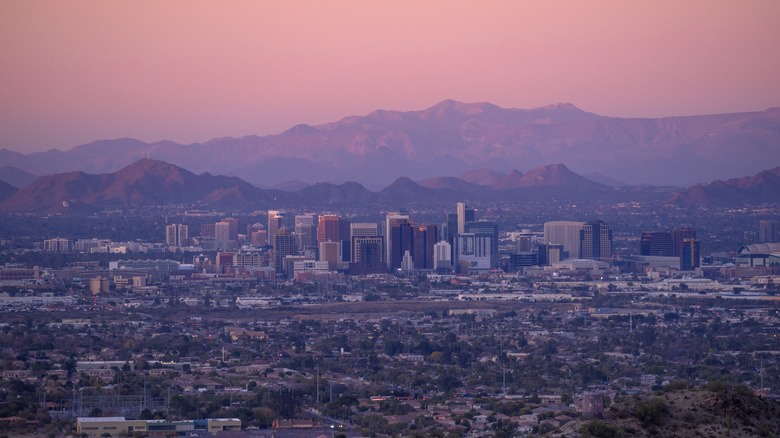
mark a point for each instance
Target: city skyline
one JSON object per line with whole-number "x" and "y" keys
{"x": 192, "y": 72}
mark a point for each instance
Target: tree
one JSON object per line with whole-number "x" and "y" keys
{"x": 651, "y": 411}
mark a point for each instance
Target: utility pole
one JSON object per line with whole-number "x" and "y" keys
{"x": 503, "y": 365}
{"x": 143, "y": 406}
{"x": 503, "y": 372}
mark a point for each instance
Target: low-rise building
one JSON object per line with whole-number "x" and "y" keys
{"x": 98, "y": 427}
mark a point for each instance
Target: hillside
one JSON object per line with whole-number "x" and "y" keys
{"x": 720, "y": 411}
{"x": 145, "y": 182}
{"x": 6, "y": 190}
{"x": 764, "y": 187}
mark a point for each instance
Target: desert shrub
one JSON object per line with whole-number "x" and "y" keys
{"x": 599, "y": 429}
{"x": 652, "y": 411}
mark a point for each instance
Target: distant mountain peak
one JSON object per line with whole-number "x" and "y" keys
{"x": 300, "y": 129}
{"x": 562, "y": 105}
{"x": 484, "y": 177}
{"x": 449, "y": 107}
{"x": 404, "y": 181}
{"x": 550, "y": 175}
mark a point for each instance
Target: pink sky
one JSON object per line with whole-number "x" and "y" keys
{"x": 188, "y": 71}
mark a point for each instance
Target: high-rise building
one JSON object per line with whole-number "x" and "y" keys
{"x": 473, "y": 251}
{"x": 248, "y": 260}
{"x": 425, "y": 237}
{"x": 345, "y": 239}
{"x": 306, "y": 230}
{"x": 256, "y": 234}
{"x": 332, "y": 228}
{"x": 233, "y": 230}
{"x": 523, "y": 260}
{"x": 769, "y": 231}
{"x": 690, "y": 255}
{"x": 489, "y": 229}
{"x": 259, "y": 238}
{"x": 207, "y": 230}
{"x": 254, "y": 227}
{"x": 656, "y": 243}
{"x": 596, "y": 241}
{"x": 329, "y": 229}
{"x": 331, "y": 252}
{"x": 679, "y": 234}
{"x": 307, "y": 235}
{"x": 275, "y": 222}
{"x": 182, "y": 235}
{"x": 57, "y": 244}
{"x": 451, "y": 228}
{"x": 306, "y": 219}
{"x": 176, "y": 235}
{"x": 393, "y": 219}
{"x": 401, "y": 240}
{"x": 225, "y": 261}
{"x": 222, "y": 235}
{"x": 465, "y": 214}
{"x": 524, "y": 241}
{"x": 549, "y": 254}
{"x": 566, "y": 233}
{"x": 170, "y": 235}
{"x": 407, "y": 262}
{"x": 442, "y": 259}
{"x": 367, "y": 254}
{"x": 361, "y": 229}
{"x": 285, "y": 244}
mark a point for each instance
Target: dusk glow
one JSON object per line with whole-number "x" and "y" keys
{"x": 189, "y": 71}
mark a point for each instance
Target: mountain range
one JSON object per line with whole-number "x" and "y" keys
{"x": 150, "y": 182}
{"x": 143, "y": 183}
{"x": 764, "y": 187}
{"x": 451, "y": 138}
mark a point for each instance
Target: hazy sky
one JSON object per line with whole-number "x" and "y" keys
{"x": 76, "y": 71}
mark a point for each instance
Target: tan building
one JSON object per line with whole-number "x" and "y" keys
{"x": 98, "y": 427}
{"x": 98, "y": 285}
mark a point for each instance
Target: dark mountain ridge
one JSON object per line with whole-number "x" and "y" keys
{"x": 763, "y": 187}
{"x": 145, "y": 182}
{"x": 15, "y": 176}
{"x": 150, "y": 182}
